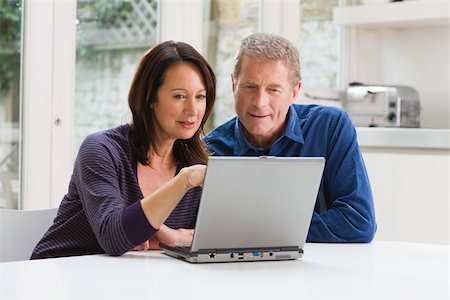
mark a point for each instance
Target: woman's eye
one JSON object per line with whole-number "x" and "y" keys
{"x": 201, "y": 97}
{"x": 179, "y": 96}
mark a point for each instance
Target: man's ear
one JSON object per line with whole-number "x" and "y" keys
{"x": 295, "y": 91}
{"x": 233, "y": 85}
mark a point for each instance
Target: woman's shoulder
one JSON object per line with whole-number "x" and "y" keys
{"x": 118, "y": 134}
{"x": 111, "y": 140}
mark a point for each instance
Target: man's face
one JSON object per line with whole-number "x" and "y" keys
{"x": 263, "y": 93}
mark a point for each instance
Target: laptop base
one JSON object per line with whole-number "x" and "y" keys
{"x": 232, "y": 255}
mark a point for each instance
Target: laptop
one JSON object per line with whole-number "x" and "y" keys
{"x": 253, "y": 209}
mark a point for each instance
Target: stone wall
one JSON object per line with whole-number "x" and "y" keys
{"x": 319, "y": 50}
{"x": 233, "y": 21}
{"x": 101, "y": 96}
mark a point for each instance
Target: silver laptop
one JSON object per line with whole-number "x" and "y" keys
{"x": 253, "y": 209}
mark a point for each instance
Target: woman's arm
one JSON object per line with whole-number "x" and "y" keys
{"x": 104, "y": 191}
{"x": 159, "y": 205}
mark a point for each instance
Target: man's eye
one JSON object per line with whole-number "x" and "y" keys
{"x": 250, "y": 87}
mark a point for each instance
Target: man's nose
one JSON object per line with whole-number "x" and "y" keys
{"x": 260, "y": 98}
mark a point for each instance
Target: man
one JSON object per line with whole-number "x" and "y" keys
{"x": 266, "y": 80}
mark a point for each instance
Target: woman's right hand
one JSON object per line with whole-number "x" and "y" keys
{"x": 193, "y": 176}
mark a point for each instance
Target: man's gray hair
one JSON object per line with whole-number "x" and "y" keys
{"x": 270, "y": 47}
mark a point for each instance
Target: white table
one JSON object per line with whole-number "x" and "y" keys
{"x": 380, "y": 270}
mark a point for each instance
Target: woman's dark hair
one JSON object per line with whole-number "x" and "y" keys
{"x": 143, "y": 92}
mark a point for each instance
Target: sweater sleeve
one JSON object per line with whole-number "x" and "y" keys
{"x": 117, "y": 227}
{"x": 347, "y": 191}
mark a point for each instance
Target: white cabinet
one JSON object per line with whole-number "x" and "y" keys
{"x": 394, "y": 15}
{"x": 411, "y": 193}
{"x": 409, "y": 171}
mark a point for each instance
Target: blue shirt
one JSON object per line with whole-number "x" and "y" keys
{"x": 344, "y": 210}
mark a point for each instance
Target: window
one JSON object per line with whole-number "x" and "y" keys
{"x": 80, "y": 57}
{"x": 319, "y": 44}
{"x": 228, "y": 22}
{"x": 10, "y": 77}
{"x": 111, "y": 38}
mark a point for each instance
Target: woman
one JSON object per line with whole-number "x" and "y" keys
{"x": 138, "y": 184}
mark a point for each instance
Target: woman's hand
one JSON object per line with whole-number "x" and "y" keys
{"x": 151, "y": 244}
{"x": 160, "y": 204}
{"x": 169, "y": 236}
{"x": 193, "y": 176}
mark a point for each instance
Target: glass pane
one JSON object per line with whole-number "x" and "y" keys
{"x": 228, "y": 22}
{"x": 112, "y": 36}
{"x": 320, "y": 44}
{"x": 10, "y": 53}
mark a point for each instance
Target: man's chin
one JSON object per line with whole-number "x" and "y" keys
{"x": 256, "y": 130}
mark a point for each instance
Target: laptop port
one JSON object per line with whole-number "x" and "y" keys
{"x": 256, "y": 254}
{"x": 212, "y": 255}
{"x": 240, "y": 255}
{"x": 232, "y": 255}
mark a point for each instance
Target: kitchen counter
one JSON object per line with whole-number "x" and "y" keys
{"x": 421, "y": 138}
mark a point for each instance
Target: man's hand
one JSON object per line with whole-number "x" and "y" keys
{"x": 167, "y": 235}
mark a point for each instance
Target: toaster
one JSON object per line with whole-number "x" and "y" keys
{"x": 380, "y": 105}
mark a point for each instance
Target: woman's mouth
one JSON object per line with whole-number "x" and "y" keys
{"x": 187, "y": 125}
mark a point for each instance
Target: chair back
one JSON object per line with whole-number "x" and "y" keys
{"x": 21, "y": 230}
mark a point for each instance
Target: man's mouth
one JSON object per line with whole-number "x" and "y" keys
{"x": 259, "y": 116}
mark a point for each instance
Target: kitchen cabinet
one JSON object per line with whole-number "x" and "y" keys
{"x": 409, "y": 171}
{"x": 404, "y": 14}
{"x": 411, "y": 193}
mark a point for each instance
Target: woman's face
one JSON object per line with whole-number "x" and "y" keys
{"x": 181, "y": 102}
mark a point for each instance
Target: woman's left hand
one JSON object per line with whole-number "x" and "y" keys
{"x": 167, "y": 235}
{"x": 151, "y": 244}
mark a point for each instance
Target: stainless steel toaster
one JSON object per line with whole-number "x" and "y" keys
{"x": 380, "y": 105}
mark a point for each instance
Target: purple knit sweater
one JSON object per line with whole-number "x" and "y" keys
{"x": 102, "y": 210}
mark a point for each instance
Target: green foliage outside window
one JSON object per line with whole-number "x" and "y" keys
{"x": 95, "y": 16}
{"x": 10, "y": 24}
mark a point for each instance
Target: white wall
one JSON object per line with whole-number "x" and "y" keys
{"x": 415, "y": 56}
{"x": 418, "y": 57}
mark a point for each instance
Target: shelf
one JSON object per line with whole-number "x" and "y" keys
{"x": 404, "y": 14}
{"x": 420, "y": 138}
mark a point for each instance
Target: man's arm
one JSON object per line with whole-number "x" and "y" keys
{"x": 347, "y": 212}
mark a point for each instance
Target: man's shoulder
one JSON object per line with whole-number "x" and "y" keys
{"x": 226, "y": 130}
{"x": 307, "y": 111}
{"x": 221, "y": 140}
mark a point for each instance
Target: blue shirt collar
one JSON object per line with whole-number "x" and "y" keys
{"x": 292, "y": 131}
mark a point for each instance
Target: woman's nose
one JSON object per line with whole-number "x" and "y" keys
{"x": 190, "y": 107}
